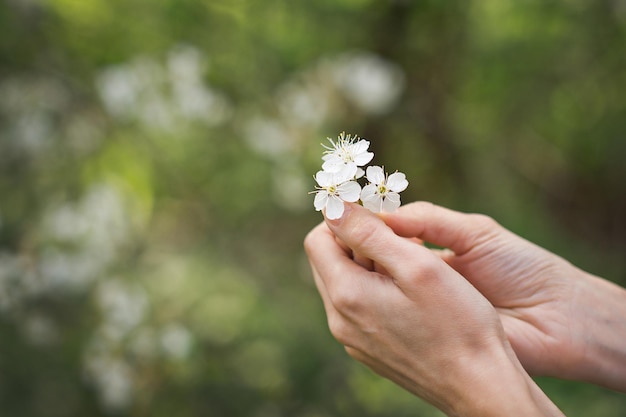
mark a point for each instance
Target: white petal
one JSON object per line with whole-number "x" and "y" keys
{"x": 373, "y": 203}
{"x": 324, "y": 179}
{"x": 349, "y": 191}
{"x": 368, "y": 192}
{"x": 360, "y": 147}
{"x": 334, "y": 208}
{"x": 397, "y": 182}
{"x": 320, "y": 200}
{"x": 346, "y": 173}
{"x": 375, "y": 174}
{"x": 359, "y": 173}
{"x": 363, "y": 158}
{"x": 333, "y": 165}
{"x": 391, "y": 202}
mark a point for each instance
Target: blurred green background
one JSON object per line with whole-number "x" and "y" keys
{"x": 155, "y": 159}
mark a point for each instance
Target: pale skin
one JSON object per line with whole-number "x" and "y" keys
{"x": 464, "y": 328}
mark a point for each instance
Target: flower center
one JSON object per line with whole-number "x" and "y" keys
{"x": 382, "y": 189}
{"x": 346, "y": 155}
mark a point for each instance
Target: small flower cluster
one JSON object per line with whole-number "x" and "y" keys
{"x": 337, "y": 181}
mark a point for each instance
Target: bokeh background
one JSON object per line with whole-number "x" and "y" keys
{"x": 155, "y": 159}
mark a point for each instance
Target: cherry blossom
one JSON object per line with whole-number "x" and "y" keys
{"x": 382, "y": 192}
{"x": 348, "y": 150}
{"x": 333, "y": 189}
{"x": 337, "y": 181}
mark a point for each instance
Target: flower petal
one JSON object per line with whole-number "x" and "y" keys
{"x": 346, "y": 173}
{"x": 375, "y": 174}
{"x": 349, "y": 191}
{"x": 333, "y": 164}
{"x": 360, "y": 147}
{"x": 321, "y": 197}
{"x": 368, "y": 192}
{"x": 323, "y": 178}
{"x": 363, "y": 158}
{"x": 334, "y": 208}
{"x": 391, "y": 202}
{"x": 373, "y": 203}
{"x": 397, "y": 182}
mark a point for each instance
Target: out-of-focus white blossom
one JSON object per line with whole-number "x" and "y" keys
{"x": 176, "y": 341}
{"x": 370, "y": 82}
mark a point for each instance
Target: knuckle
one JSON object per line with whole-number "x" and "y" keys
{"x": 355, "y": 354}
{"x": 418, "y": 209}
{"x": 429, "y": 268}
{"x": 483, "y": 228}
{"x": 311, "y": 240}
{"x": 345, "y": 298}
{"x": 483, "y": 221}
{"x": 423, "y": 206}
{"x": 339, "y": 329}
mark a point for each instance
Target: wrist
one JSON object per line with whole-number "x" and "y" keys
{"x": 601, "y": 307}
{"x": 496, "y": 384}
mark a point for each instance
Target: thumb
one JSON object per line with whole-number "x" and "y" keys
{"x": 368, "y": 236}
{"x": 443, "y": 227}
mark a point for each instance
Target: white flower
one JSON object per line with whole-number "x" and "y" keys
{"x": 382, "y": 192}
{"x": 335, "y": 188}
{"x": 347, "y": 150}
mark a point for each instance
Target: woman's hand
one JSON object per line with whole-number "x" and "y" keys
{"x": 415, "y": 320}
{"x": 560, "y": 320}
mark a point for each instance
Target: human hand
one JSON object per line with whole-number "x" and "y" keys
{"x": 415, "y": 320}
{"x": 560, "y": 320}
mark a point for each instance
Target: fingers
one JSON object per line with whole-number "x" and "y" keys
{"x": 328, "y": 252}
{"x": 441, "y": 226}
{"x": 313, "y": 245}
{"x": 360, "y": 260}
{"x": 364, "y": 262}
{"x": 343, "y": 283}
{"x": 317, "y": 244}
{"x": 346, "y": 287}
{"x": 366, "y": 234}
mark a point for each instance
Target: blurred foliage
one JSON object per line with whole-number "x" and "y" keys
{"x": 155, "y": 158}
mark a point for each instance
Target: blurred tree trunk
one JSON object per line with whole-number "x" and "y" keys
{"x": 427, "y": 39}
